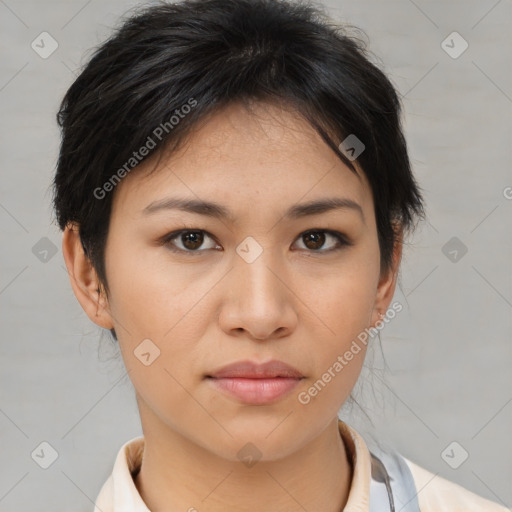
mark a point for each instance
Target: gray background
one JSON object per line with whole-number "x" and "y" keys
{"x": 448, "y": 352}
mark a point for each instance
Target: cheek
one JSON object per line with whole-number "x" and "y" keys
{"x": 345, "y": 303}
{"x": 339, "y": 354}
{"x": 158, "y": 322}
{"x": 150, "y": 296}
{"x": 156, "y": 298}
{"x": 152, "y": 300}
{"x": 345, "y": 298}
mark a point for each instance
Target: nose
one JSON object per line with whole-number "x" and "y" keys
{"x": 259, "y": 301}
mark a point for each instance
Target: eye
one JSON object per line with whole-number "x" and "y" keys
{"x": 315, "y": 239}
{"x": 190, "y": 240}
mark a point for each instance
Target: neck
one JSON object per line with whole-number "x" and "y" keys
{"x": 179, "y": 475}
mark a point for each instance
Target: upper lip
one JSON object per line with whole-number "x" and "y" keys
{"x": 253, "y": 370}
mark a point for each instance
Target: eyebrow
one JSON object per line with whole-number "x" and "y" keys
{"x": 215, "y": 210}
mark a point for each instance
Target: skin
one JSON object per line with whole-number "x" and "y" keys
{"x": 296, "y": 302}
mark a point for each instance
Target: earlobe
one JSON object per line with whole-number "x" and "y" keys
{"x": 84, "y": 280}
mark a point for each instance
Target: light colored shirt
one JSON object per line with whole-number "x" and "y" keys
{"x": 434, "y": 493}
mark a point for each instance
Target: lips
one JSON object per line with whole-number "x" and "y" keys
{"x": 256, "y": 384}
{"x": 251, "y": 370}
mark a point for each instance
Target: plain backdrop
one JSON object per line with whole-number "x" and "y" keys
{"x": 447, "y": 386}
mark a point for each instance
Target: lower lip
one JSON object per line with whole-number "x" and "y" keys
{"x": 256, "y": 391}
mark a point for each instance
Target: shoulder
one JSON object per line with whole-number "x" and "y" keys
{"x": 105, "y": 497}
{"x": 436, "y": 494}
{"x": 119, "y": 492}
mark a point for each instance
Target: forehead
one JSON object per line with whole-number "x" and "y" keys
{"x": 268, "y": 154}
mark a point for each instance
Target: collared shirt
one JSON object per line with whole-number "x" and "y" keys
{"x": 434, "y": 493}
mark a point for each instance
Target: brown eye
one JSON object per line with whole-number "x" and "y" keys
{"x": 192, "y": 239}
{"x": 189, "y": 241}
{"x": 314, "y": 240}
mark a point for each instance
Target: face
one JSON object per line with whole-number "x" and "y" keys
{"x": 269, "y": 281}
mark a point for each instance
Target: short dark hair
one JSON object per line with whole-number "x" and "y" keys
{"x": 207, "y": 54}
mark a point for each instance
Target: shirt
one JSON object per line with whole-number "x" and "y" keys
{"x": 432, "y": 493}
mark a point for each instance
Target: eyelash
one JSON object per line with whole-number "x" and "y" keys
{"x": 342, "y": 240}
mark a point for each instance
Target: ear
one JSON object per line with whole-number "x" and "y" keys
{"x": 387, "y": 281}
{"x": 83, "y": 278}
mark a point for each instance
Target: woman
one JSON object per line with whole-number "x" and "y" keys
{"x": 234, "y": 189}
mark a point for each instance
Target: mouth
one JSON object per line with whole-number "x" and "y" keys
{"x": 255, "y": 391}
{"x": 256, "y": 384}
